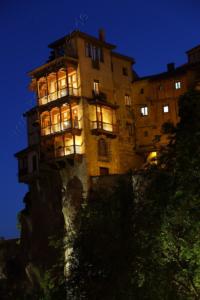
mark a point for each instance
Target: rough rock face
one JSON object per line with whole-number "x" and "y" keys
{"x": 41, "y": 220}
{"x": 12, "y": 272}
{"x": 51, "y": 205}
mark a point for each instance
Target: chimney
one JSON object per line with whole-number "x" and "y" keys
{"x": 170, "y": 67}
{"x": 102, "y": 35}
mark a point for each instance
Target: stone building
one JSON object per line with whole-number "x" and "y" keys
{"x": 84, "y": 112}
{"x": 93, "y": 116}
{"x": 94, "y": 113}
{"x": 81, "y": 127}
{"x": 155, "y": 102}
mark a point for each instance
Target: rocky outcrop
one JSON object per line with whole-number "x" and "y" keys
{"x": 12, "y": 274}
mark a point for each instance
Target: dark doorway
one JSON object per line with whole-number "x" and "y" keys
{"x": 104, "y": 171}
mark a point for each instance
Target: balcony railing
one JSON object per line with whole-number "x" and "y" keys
{"x": 68, "y": 150}
{"x": 109, "y": 127}
{"x": 70, "y": 91}
{"x": 62, "y": 151}
{"x": 61, "y": 126}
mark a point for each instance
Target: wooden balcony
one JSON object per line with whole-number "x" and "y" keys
{"x": 107, "y": 129}
{"x": 27, "y": 164}
{"x": 60, "y": 153}
{"x": 62, "y": 94}
{"x": 67, "y": 126}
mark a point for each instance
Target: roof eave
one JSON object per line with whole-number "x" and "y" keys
{"x": 80, "y": 34}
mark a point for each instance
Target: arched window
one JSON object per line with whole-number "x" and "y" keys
{"x": 45, "y": 123}
{"x": 42, "y": 91}
{"x": 62, "y": 83}
{"x": 55, "y": 119}
{"x": 65, "y": 117}
{"x": 52, "y": 86}
{"x": 102, "y": 147}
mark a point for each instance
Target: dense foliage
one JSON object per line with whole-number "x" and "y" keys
{"x": 167, "y": 221}
{"x": 101, "y": 265}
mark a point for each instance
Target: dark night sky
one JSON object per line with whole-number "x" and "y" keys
{"x": 153, "y": 32}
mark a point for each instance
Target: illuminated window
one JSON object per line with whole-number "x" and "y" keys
{"x": 165, "y": 108}
{"x": 75, "y": 117}
{"x": 65, "y": 117}
{"x": 45, "y": 123}
{"x": 55, "y": 119}
{"x": 62, "y": 83}
{"x": 73, "y": 84}
{"x": 177, "y": 85}
{"x": 42, "y": 91}
{"x": 144, "y": 110}
{"x": 96, "y": 87}
{"x": 127, "y": 100}
{"x": 52, "y": 87}
{"x": 152, "y": 157}
{"x": 124, "y": 71}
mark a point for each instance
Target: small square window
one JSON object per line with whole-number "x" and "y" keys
{"x": 103, "y": 171}
{"x": 165, "y": 108}
{"x": 127, "y": 99}
{"x": 177, "y": 85}
{"x": 124, "y": 71}
{"x": 144, "y": 111}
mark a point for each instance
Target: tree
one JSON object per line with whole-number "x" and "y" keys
{"x": 101, "y": 265}
{"x": 167, "y": 220}
{"x": 181, "y": 224}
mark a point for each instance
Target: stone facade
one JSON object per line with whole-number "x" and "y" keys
{"x": 94, "y": 114}
{"x": 93, "y": 117}
{"x": 158, "y": 97}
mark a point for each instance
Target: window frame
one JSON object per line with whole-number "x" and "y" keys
{"x": 144, "y": 113}
{"x": 127, "y": 100}
{"x": 96, "y": 86}
{"x": 102, "y": 148}
{"x": 177, "y": 85}
{"x": 95, "y": 52}
{"x": 163, "y": 108}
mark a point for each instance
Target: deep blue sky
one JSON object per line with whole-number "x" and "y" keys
{"x": 153, "y": 32}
